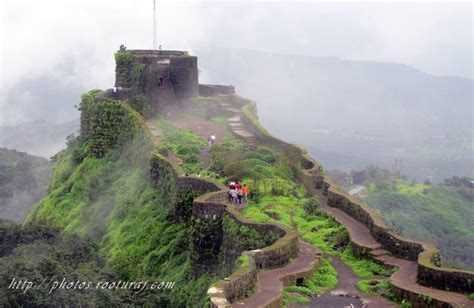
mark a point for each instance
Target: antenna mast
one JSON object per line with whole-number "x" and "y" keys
{"x": 155, "y": 44}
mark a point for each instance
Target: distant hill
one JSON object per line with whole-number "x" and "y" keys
{"x": 352, "y": 113}
{"x": 23, "y": 182}
{"x": 439, "y": 214}
{"x": 39, "y": 138}
{"x": 435, "y": 213}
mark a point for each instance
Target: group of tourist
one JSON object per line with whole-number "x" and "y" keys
{"x": 238, "y": 193}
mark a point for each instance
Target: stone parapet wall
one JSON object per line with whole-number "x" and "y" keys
{"x": 237, "y": 285}
{"x": 392, "y": 242}
{"x": 199, "y": 185}
{"x": 442, "y": 278}
{"x": 250, "y": 121}
{"x": 425, "y": 254}
{"x": 244, "y": 279}
{"x": 212, "y": 90}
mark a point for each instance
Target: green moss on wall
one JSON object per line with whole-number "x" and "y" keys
{"x": 139, "y": 102}
{"x": 247, "y": 237}
{"x": 128, "y": 71}
{"x": 107, "y": 123}
{"x": 110, "y": 199}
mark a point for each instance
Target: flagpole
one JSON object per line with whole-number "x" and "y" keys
{"x": 155, "y": 43}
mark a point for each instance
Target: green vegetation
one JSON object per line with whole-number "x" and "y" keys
{"x": 139, "y": 103}
{"x": 219, "y": 119}
{"x": 379, "y": 287}
{"x": 268, "y": 170}
{"x": 276, "y": 197}
{"x": 247, "y": 237}
{"x": 123, "y": 60}
{"x": 110, "y": 200}
{"x": 107, "y": 124}
{"x": 184, "y": 144}
{"x": 55, "y": 256}
{"x": 323, "y": 279}
{"x": 318, "y": 229}
{"x": 471, "y": 296}
{"x": 438, "y": 214}
{"x": 129, "y": 70}
{"x": 441, "y": 214}
{"x": 242, "y": 261}
{"x": 23, "y": 182}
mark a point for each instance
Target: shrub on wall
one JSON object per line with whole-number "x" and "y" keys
{"x": 128, "y": 70}
{"x": 140, "y": 103}
{"x": 123, "y": 62}
{"x": 247, "y": 237}
{"x": 107, "y": 123}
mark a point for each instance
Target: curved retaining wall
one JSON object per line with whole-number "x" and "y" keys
{"x": 244, "y": 279}
{"x": 210, "y": 206}
{"x": 427, "y": 255}
{"x": 424, "y": 253}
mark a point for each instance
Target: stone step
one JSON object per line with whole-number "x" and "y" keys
{"x": 236, "y": 110}
{"x": 244, "y": 133}
{"x": 226, "y": 105}
{"x": 236, "y": 125}
{"x": 234, "y": 119}
{"x": 382, "y": 259}
{"x": 378, "y": 252}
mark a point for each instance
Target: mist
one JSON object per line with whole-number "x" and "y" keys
{"x": 53, "y": 51}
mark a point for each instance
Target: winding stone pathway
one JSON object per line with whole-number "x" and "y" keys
{"x": 234, "y": 121}
{"x": 405, "y": 278}
{"x": 271, "y": 282}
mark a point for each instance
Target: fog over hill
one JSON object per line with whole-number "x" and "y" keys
{"x": 348, "y": 113}
{"x": 353, "y": 113}
{"x": 40, "y": 138}
{"x": 40, "y": 113}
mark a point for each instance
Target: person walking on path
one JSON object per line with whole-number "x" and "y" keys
{"x": 240, "y": 194}
{"x": 233, "y": 196}
{"x": 245, "y": 191}
{"x": 213, "y": 138}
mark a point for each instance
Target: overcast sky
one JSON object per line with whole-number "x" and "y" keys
{"x": 74, "y": 41}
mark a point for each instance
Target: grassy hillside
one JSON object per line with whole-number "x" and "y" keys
{"x": 109, "y": 199}
{"x": 439, "y": 214}
{"x": 23, "y": 182}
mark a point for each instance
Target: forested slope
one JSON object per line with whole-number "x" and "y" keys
{"x": 23, "y": 182}
{"x": 439, "y": 214}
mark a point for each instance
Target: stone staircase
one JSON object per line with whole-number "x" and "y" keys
{"x": 234, "y": 121}
{"x": 405, "y": 279}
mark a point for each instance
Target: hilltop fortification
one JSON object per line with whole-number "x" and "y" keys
{"x": 166, "y": 215}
